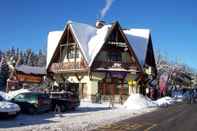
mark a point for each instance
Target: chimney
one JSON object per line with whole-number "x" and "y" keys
{"x": 100, "y": 24}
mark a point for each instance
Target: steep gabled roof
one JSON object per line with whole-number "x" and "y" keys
{"x": 31, "y": 69}
{"x": 90, "y": 40}
{"x": 52, "y": 43}
{"x": 138, "y": 39}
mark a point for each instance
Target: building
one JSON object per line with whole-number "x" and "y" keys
{"x": 24, "y": 75}
{"x": 103, "y": 59}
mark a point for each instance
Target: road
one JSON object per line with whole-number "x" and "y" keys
{"x": 179, "y": 117}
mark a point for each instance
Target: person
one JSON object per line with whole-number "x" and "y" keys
{"x": 192, "y": 96}
{"x": 98, "y": 97}
{"x": 111, "y": 102}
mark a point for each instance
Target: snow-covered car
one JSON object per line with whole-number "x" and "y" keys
{"x": 8, "y": 109}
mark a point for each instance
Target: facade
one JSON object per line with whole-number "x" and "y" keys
{"x": 104, "y": 61}
{"x": 25, "y": 75}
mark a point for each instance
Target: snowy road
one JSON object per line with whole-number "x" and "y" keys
{"x": 87, "y": 117}
{"x": 179, "y": 117}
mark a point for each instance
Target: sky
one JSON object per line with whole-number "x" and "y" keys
{"x": 173, "y": 23}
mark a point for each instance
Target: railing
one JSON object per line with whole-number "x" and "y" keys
{"x": 68, "y": 66}
{"x": 114, "y": 65}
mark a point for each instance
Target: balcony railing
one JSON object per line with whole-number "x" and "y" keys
{"x": 68, "y": 66}
{"x": 114, "y": 65}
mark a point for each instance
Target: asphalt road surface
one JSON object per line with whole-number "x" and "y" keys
{"x": 179, "y": 117}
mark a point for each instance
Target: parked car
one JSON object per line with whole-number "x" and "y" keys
{"x": 32, "y": 102}
{"x": 8, "y": 109}
{"x": 64, "y": 97}
{"x": 63, "y": 101}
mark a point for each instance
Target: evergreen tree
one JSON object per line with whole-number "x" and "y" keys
{"x": 4, "y": 73}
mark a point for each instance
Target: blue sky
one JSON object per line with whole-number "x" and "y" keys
{"x": 26, "y": 23}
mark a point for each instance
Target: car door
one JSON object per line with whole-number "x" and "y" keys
{"x": 22, "y": 101}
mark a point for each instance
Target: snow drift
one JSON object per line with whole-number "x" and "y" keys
{"x": 165, "y": 101}
{"x": 138, "y": 101}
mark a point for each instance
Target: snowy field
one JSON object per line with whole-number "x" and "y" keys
{"x": 88, "y": 116}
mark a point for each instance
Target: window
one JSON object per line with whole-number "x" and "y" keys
{"x": 71, "y": 54}
{"x": 115, "y": 56}
{"x": 20, "y": 97}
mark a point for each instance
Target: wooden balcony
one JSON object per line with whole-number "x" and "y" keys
{"x": 69, "y": 67}
{"x": 114, "y": 65}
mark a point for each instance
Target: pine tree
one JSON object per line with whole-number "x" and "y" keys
{"x": 4, "y": 73}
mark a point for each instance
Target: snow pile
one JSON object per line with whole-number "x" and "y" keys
{"x": 4, "y": 95}
{"x": 8, "y": 107}
{"x": 165, "y": 101}
{"x": 138, "y": 101}
{"x": 12, "y": 94}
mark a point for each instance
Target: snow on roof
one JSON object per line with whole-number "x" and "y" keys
{"x": 83, "y": 33}
{"x": 53, "y": 40}
{"x": 97, "y": 41}
{"x": 138, "y": 39}
{"x": 31, "y": 69}
{"x": 91, "y": 40}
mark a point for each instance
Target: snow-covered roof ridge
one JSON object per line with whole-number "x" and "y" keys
{"x": 52, "y": 43}
{"x": 138, "y": 39}
{"x": 31, "y": 69}
{"x": 83, "y": 33}
{"x": 91, "y": 40}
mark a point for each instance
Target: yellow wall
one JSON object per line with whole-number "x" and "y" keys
{"x": 92, "y": 84}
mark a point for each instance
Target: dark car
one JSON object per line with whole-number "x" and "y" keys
{"x": 65, "y": 97}
{"x": 64, "y": 101}
{"x": 8, "y": 109}
{"x": 33, "y": 102}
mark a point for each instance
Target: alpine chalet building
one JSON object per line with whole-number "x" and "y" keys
{"x": 105, "y": 59}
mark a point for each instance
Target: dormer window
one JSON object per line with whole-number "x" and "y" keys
{"x": 115, "y": 56}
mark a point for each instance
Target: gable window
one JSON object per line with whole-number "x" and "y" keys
{"x": 115, "y": 56}
{"x": 71, "y": 54}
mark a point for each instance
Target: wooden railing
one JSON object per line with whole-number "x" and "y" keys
{"x": 68, "y": 66}
{"x": 109, "y": 64}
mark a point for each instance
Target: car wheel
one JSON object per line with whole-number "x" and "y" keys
{"x": 57, "y": 108}
{"x": 63, "y": 108}
{"x": 73, "y": 108}
{"x": 31, "y": 110}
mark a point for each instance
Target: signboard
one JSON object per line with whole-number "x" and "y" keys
{"x": 28, "y": 78}
{"x": 120, "y": 75}
{"x": 163, "y": 83}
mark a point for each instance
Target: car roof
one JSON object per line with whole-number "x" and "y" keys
{"x": 32, "y": 93}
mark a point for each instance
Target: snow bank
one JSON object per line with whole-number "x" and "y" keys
{"x": 138, "y": 101}
{"x": 12, "y": 94}
{"x": 165, "y": 101}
